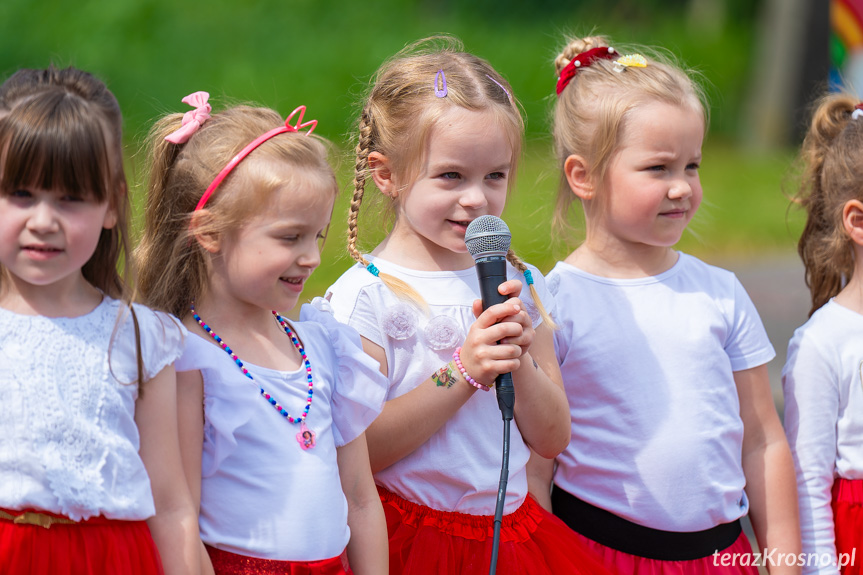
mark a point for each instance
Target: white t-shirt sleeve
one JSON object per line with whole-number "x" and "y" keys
{"x": 747, "y": 345}
{"x": 360, "y": 388}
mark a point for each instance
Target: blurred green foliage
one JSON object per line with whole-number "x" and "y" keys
{"x": 282, "y": 53}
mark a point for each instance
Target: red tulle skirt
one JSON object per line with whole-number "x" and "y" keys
{"x": 848, "y": 519}
{"x": 425, "y": 541}
{"x": 96, "y": 546}
{"x": 737, "y": 559}
{"x": 227, "y": 563}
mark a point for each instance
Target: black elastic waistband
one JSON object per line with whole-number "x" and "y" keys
{"x": 617, "y": 533}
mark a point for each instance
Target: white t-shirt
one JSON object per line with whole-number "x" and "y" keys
{"x": 648, "y": 368}
{"x": 262, "y": 495}
{"x": 824, "y": 418}
{"x": 458, "y": 468}
{"x": 68, "y": 439}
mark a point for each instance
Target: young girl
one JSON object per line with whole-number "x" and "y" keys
{"x": 674, "y": 431}
{"x": 822, "y": 376}
{"x": 88, "y": 420}
{"x": 439, "y": 135}
{"x": 238, "y": 203}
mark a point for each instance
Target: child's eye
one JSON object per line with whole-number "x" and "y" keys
{"x": 496, "y": 176}
{"x": 450, "y": 175}
{"x": 21, "y": 194}
{"x": 290, "y": 238}
{"x": 693, "y": 166}
{"x": 656, "y": 168}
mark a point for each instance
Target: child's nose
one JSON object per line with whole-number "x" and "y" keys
{"x": 42, "y": 218}
{"x": 473, "y": 197}
{"x": 680, "y": 190}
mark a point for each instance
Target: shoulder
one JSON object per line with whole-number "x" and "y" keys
{"x": 352, "y": 291}
{"x": 156, "y": 337}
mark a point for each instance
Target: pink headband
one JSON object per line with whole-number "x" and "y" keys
{"x": 583, "y": 60}
{"x": 254, "y": 144}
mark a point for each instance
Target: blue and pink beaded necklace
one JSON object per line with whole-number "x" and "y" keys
{"x": 305, "y": 437}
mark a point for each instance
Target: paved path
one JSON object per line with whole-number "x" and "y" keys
{"x": 779, "y": 292}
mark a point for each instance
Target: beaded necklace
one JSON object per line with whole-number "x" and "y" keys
{"x": 305, "y": 437}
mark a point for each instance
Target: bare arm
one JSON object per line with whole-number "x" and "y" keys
{"x": 175, "y": 525}
{"x": 540, "y": 472}
{"x": 770, "y": 480}
{"x": 541, "y": 406}
{"x": 190, "y": 411}
{"x": 368, "y": 551}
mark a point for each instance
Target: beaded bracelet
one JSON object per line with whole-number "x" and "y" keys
{"x": 456, "y": 355}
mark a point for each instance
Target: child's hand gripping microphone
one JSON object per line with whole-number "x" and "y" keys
{"x": 487, "y": 239}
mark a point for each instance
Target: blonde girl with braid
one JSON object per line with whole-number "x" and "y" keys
{"x": 439, "y": 137}
{"x": 674, "y": 432}
{"x": 822, "y": 374}
{"x": 238, "y": 203}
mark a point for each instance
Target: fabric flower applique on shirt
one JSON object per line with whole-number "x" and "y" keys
{"x": 400, "y": 321}
{"x": 443, "y": 332}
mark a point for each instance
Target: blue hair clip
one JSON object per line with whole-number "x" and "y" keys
{"x": 528, "y": 277}
{"x": 373, "y": 270}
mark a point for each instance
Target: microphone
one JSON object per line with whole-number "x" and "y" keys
{"x": 487, "y": 239}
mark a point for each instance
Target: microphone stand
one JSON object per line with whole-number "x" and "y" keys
{"x": 506, "y": 401}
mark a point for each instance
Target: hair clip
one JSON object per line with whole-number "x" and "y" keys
{"x": 505, "y": 91}
{"x": 630, "y": 61}
{"x": 583, "y": 60}
{"x": 858, "y": 111}
{"x": 254, "y": 144}
{"x": 193, "y": 119}
{"x": 373, "y": 270}
{"x": 528, "y": 277}
{"x": 440, "y": 92}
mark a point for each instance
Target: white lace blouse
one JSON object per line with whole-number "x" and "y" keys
{"x": 68, "y": 439}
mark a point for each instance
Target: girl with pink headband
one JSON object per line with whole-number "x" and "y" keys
{"x": 272, "y": 411}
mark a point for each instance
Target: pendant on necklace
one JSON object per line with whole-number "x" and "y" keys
{"x": 306, "y": 437}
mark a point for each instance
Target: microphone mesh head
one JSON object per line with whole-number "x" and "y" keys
{"x": 487, "y": 235}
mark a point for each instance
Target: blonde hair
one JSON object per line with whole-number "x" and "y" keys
{"x": 173, "y": 267}
{"x": 591, "y": 111}
{"x": 833, "y": 175}
{"x": 400, "y": 111}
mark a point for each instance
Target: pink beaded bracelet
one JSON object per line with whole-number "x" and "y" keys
{"x": 456, "y": 355}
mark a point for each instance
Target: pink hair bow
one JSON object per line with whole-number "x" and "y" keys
{"x": 193, "y": 119}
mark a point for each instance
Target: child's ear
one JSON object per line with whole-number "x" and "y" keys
{"x": 852, "y": 218}
{"x": 207, "y": 240}
{"x": 110, "y": 219}
{"x": 577, "y": 174}
{"x": 379, "y": 165}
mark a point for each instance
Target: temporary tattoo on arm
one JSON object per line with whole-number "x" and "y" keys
{"x": 446, "y": 376}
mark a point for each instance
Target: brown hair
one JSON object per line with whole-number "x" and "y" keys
{"x": 833, "y": 175}
{"x": 590, "y": 113}
{"x": 62, "y": 130}
{"x": 400, "y": 111}
{"x": 174, "y": 268}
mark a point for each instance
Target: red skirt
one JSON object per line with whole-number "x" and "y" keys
{"x": 848, "y": 519}
{"x": 227, "y": 563}
{"x": 96, "y": 546}
{"x": 425, "y": 541}
{"x": 737, "y": 559}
